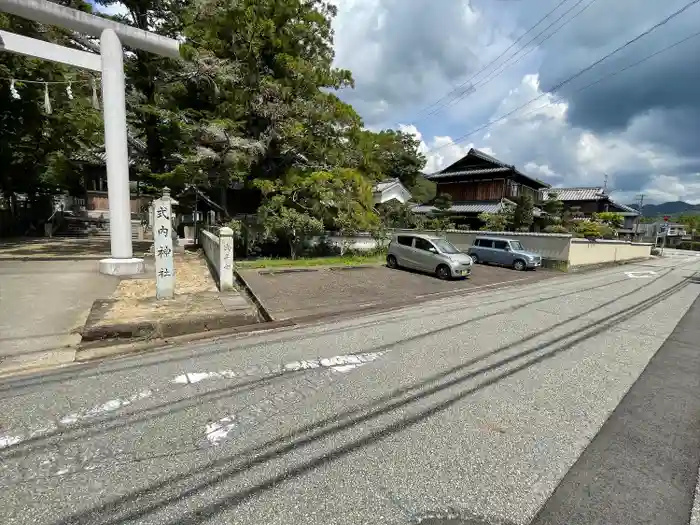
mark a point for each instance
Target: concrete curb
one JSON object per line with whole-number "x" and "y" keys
{"x": 95, "y": 331}
{"x": 106, "y": 349}
{"x": 262, "y": 310}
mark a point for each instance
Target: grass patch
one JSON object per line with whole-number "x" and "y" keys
{"x": 347, "y": 260}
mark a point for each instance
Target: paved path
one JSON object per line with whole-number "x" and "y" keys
{"x": 459, "y": 408}
{"x": 42, "y": 303}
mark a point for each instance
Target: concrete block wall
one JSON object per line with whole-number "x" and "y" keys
{"x": 557, "y": 250}
{"x": 587, "y": 253}
{"x": 550, "y": 246}
{"x": 218, "y": 249}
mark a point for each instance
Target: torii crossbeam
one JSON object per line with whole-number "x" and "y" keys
{"x": 110, "y": 62}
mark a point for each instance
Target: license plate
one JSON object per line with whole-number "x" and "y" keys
{"x": 464, "y": 272}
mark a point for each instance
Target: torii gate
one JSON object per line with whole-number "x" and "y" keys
{"x": 110, "y": 63}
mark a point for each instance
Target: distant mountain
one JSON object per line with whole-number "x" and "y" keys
{"x": 667, "y": 208}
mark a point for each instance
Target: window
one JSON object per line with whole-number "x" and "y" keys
{"x": 446, "y": 246}
{"x": 516, "y": 245}
{"x": 485, "y": 243}
{"x": 422, "y": 244}
{"x": 500, "y": 245}
{"x": 404, "y": 240}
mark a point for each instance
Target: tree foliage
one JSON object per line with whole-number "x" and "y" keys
{"x": 251, "y": 103}
{"x": 35, "y": 143}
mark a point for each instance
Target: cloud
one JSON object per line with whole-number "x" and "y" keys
{"x": 546, "y": 146}
{"x": 640, "y": 127}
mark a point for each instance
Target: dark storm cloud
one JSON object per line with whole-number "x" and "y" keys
{"x": 667, "y": 82}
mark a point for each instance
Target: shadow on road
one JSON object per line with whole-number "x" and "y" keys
{"x": 146, "y": 501}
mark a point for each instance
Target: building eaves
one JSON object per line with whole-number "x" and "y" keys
{"x": 575, "y": 194}
{"x": 462, "y": 207}
{"x": 488, "y": 158}
{"x": 480, "y": 171}
{"x": 626, "y": 210}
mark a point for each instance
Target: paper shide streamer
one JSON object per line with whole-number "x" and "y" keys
{"x": 47, "y": 100}
{"x": 13, "y": 90}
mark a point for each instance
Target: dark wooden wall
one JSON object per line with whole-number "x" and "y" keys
{"x": 491, "y": 190}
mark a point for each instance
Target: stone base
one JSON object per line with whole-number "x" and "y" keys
{"x": 122, "y": 267}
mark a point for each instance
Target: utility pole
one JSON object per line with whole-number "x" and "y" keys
{"x": 641, "y": 207}
{"x": 605, "y": 184}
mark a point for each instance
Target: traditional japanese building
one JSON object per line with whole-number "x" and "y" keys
{"x": 479, "y": 183}
{"x": 589, "y": 200}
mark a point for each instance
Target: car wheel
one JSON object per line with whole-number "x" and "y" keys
{"x": 443, "y": 272}
{"x": 475, "y": 258}
{"x": 520, "y": 265}
{"x": 391, "y": 262}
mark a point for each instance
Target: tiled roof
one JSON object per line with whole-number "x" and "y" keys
{"x": 484, "y": 156}
{"x": 462, "y": 207}
{"x": 575, "y": 194}
{"x": 481, "y": 171}
{"x": 385, "y": 184}
{"x": 626, "y": 210}
{"x": 98, "y": 157}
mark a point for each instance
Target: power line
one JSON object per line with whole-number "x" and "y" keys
{"x": 584, "y": 70}
{"x": 455, "y": 89}
{"x": 498, "y": 72}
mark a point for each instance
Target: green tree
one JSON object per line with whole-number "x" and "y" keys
{"x": 522, "y": 214}
{"x": 495, "y": 222}
{"x": 423, "y": 190}
{"x": 394, "y": 214}
{"x": 306, "y": 203}
{"x": 691, "y": 223}
{"x": 553, "y": 210}
{"x": 35, "y": 143}
{"x": 612, "y": 219}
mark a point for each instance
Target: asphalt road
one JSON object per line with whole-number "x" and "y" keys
{"x": 496, "y": 408}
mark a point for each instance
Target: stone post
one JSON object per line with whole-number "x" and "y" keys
{"x": 163, "y": 246}
{"x": 225, "y": 259}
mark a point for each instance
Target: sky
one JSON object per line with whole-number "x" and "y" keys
{"x": 412, "y": 61}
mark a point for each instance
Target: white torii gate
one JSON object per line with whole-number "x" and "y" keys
{"x": 110, "y": 63}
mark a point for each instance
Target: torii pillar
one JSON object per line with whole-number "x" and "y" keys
{"x": 110, "y": 63}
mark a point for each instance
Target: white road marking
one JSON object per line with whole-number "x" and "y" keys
{"x": 218, "y": 430}
{"x": 644, "y": 274}
{"x": 196, "y": 377}
{"x": 6, "y": 441}
{"x": 338, "y": 363}
{"x": 71, "y": 419}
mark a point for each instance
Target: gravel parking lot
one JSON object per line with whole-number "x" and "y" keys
{"x": 312, "y": 292}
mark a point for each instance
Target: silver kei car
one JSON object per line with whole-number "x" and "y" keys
{"x": 428, "y": 253}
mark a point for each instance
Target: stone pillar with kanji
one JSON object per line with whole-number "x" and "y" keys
{"x": 163, "y": 246}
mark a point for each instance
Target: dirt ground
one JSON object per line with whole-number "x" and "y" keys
{"x": 195, "y": 293}
{"x": 191, "y": 276}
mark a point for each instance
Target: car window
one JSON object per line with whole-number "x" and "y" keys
{"x": 422, "y": 244}
{"x": 485, "y": 243}
{"x": 445, "y": 246}
{"x": 500, "y": 245}
{"x": 516, "y": 245}
{"x": 404, "y": 240}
